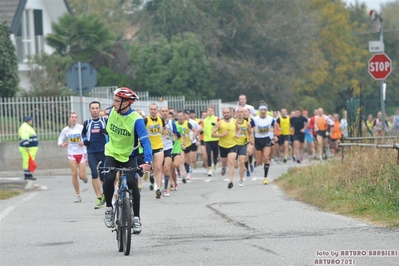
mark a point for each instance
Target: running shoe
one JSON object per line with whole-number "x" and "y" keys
{"x": 248, "y": 173}
{"x": 230, "y": 185}
{"x": 103, "y": 199}
{"x": 284, "y": 160}
{"x": 223, "y": 172}
{"x": 85, "y": 180}
{"x": 78, "y": 199}
{"x": 298, "y": 161}
{"x": 176, "y": 187}
{"x": 108, "y": 219}
{"x": 184, "y": 180}
{"x": 146, "y": 176}
{"x": 158, "y": 193}
{"x": 136, "y": 225}
{"x": 241, "y": 183}
{"x": 265, "y": 181}
{"x": 188, "y": 176}
{"x": 152, "y": 187}
{"x": 166, "y": 193}
{"x": 210, "y": 173}
{"x": 171, "y": 188}
{"x": 99, "y": 204}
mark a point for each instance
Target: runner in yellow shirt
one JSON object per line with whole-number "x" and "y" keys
{"x": 227, "y": 130}
{"x": 156, "y": 127}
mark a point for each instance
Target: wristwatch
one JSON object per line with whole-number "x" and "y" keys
{"x": 150, "y": 163}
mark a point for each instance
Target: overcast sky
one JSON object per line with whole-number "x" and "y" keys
{"x": 371, "y": 4}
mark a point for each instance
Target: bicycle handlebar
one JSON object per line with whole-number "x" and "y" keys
{"x": 122, "y": 169}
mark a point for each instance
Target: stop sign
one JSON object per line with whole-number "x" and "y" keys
{"x": 380, "y": 66}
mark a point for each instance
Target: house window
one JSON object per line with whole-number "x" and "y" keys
{"x": 30, "y": 39}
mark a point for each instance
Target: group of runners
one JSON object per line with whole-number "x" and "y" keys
{"x": 165, "y": 144}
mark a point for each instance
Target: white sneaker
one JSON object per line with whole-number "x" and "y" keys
{"x": 108, "y": 219}
{"x": 210, "y": 173}
{"x": 78, "y": 199}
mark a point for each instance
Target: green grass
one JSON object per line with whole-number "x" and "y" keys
{"x": 6, "y": 193}
{"x": 365, "y": 186}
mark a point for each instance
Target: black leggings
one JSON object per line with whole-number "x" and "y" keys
{"x": 212, "y": 146}
{"x": 108, "y": 186}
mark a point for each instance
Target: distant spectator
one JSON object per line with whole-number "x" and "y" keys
{"x": 396, "y": 120}
{"x": 28, "y": 145}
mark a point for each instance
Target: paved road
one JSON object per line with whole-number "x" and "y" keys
{"x": 203, "y": 223}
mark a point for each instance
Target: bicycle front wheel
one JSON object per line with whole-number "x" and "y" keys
{"x": 118, "y": 225}
{"x": 126, "y": 225}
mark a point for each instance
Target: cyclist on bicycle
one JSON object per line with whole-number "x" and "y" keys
{"x": 125, "y": 128}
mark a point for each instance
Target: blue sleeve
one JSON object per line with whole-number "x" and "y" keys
{"x": 84, "y": 131}
{"x": 142, "y": 135}
{"x": 252, "y": 123}
{"x": 174, "y": 128}
{"x": 175, "y": 131}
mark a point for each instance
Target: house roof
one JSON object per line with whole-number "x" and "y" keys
{"x": 11, "y": 12}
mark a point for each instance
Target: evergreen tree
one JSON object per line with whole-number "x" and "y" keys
{"x": 8, "y": 64}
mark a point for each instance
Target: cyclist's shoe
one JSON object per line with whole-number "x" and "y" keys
{"x": 223, "y": 172}
{"x": 152, "y": 187}
{"x": 108, "y": 219}
{"x": 241, "y": 183}
{"x": 136, "y": 225}
{"x": 265, "y": 181}
{"x": 99, "y": 204}
{"x": 78, "y": 199}
{"x": 166, "y": 193}
{"x": 158, "y": 193}
{"x": 230, "y": 185}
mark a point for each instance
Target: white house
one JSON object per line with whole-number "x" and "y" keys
{"x": 30, "y": 21}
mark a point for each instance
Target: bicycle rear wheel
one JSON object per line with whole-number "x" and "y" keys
{"x": 126, "y": 225}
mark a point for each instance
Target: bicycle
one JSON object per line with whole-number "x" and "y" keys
{"x": 123, "y": 207}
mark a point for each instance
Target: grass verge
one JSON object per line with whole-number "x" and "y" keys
{"x": 365, "y": 186}
{"x": 6, "y": 193}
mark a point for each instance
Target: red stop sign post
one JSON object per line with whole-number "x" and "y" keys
{"x": 380, "y": 66}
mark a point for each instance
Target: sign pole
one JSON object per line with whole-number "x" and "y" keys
{"x": 80, "y": 90}
{"x": 382, "y": 81}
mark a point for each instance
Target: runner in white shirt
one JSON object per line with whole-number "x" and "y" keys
{"x": 264, "y": 139}
{"x": 71, "y": 137}
{"x": 195, "y": 143}
{"x": 242, "y": 99}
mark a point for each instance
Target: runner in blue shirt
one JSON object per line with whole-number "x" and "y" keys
{"x": 94, "y": 137}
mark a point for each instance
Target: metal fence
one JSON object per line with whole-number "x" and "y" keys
{"x": 50, "y": 114}
{"x": 359, "y": 109}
